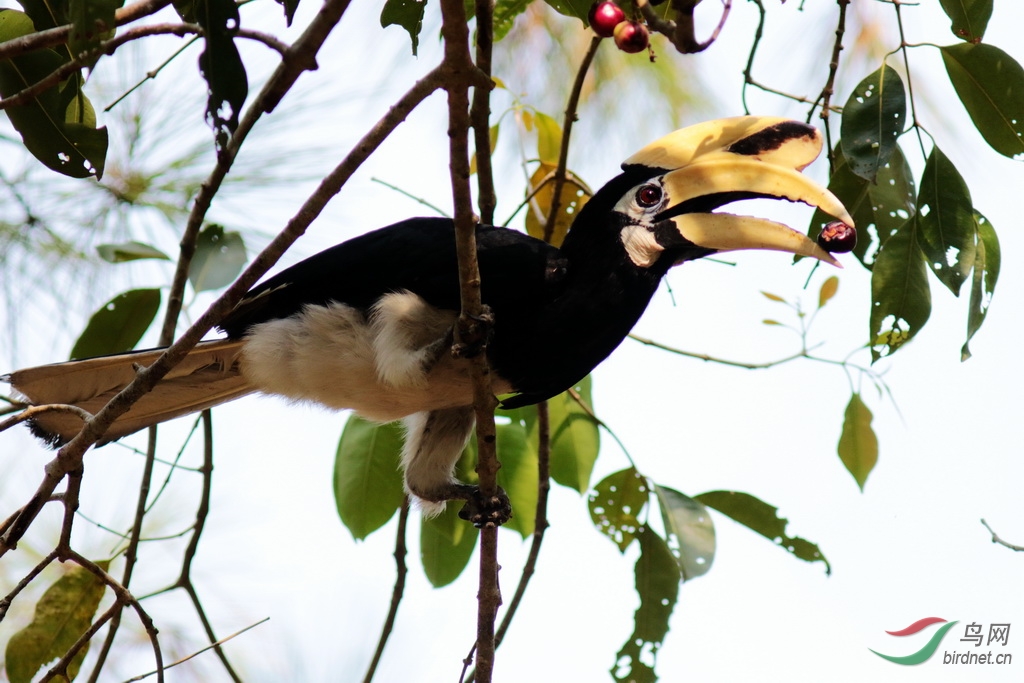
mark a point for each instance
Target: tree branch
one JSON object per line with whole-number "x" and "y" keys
{"x": 396, "y": 594}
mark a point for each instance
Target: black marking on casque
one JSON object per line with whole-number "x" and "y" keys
{"x": 771, "y": 138}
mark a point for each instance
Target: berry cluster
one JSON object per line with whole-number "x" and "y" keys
{"x": 608, "y": 20}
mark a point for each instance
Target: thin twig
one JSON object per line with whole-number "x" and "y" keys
{"x": 996, "y": 539}
{"x": 396, "y": 593}
{"x": 563, "y": 152}
{"x": 5, "y": 604}
{"x": 829, "y": 89}
{"x": 202, "y": 650}
{"x": 480, "y": 112}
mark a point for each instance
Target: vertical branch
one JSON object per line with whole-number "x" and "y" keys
{"x": 480, "y": 113}
{"x": 563, "y": 152}
{"x": 829, "y": 89}
{"x": 471, "y": 330}
{"x": 396, "y": 594}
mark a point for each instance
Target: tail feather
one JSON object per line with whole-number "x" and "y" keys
{"x": 207, "y": 377}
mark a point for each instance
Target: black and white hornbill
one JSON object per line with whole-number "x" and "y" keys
{"x": 367, "y": 325}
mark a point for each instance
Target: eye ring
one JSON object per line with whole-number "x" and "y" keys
{"x": 648, "y": 196}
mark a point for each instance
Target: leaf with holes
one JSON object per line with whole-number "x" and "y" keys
{"x": 222, "y": 67}
{"x": 129, "y": 251}
{"x": 945, "y": 221}
{"x": 900, "y": 297}
{"x": 405, "y": 13}
{"x": 657, "y": 583}
{"x": 760, "y": 517}
{"x": 367, "y": 478}
{"x": 873, "y": 119}
{"x": 858, "y": 445}
{"x": 119, "y": 324}
{"x": 446, "y": 545}
{"x": 518, "y": 475}
{"x": 62, "y": 615}
{"x": 983, "y": 283}
{"x": 878, "y": 208}
{"x": 970, "y": 18}
{"x": 615, "y": 505}
{"x": 990, "y": 83}
{"x": 219, "y": 258}
{"x": 691, "y": 533}
{"x": 55, "y": 126}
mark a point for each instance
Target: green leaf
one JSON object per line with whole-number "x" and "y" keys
{"x": 367, "y": 477}
{"x": 760, "y": 517}
{"x": 52, "y": 125}
{"x": 945, "y": 219}
{"x": 970, "y": 18}
{"x": 518, "y": 475}
{"x": 572, "y": 8}
{"x": 92, "y": 22}
{"x": 505, "y": 13}
{"x": 900, "y": 298}
{"x": 119, "y": 324}
{"x": 575, "y": 440}
{"x": 828, "y": 290}
{"x": 62, "y": 615}
{"x": 873, "y": 119}
{"x": 46, "y": 14}
{"x": 405, "y": 13}
{"x": 990, "y": 83}
{"x": 878, "y": 208}
{"x": 615, "y": 505}
{"x": 129, "y": 251}
{"x": 219, "y": 258}
{"x": 222, "y": 67}
{"x": 446, "y": 545}
{"x": 983, "y": 285}
{"x": 858, "y": 445}
{"x": 657, "y": 583}
{"x": 691, "y": 533}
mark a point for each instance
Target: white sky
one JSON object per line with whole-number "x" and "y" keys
{"x": 910, "y": 546}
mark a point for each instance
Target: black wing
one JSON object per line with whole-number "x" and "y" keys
{"x": 417, "y": 255}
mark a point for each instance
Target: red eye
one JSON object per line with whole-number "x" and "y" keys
{"x": 648, "y": 196}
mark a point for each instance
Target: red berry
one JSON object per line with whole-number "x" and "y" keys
{"x": 631, "y": 36}
{"x": 838, "y": 237}
{"x": 604, "y": 17}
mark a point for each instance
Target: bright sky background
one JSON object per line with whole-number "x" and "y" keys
{"x": 910, "y": 546}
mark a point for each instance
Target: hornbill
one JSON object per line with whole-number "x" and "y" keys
{"x": 367, "y": 324}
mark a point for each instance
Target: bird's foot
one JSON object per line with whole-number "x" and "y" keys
{"x": 483, "y": 510}
{"x": 474, "y": 333}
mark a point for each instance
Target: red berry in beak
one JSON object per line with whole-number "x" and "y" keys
{"x": 838, "y": 238}
{"x": 604, "y": 17}
{"x": 631, "y": 36}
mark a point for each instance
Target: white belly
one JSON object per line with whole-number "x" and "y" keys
{"x": 394, "y": 363}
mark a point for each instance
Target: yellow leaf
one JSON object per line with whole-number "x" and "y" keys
{"x": 828, "y": 290}
{"x": 574, "y": 195}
